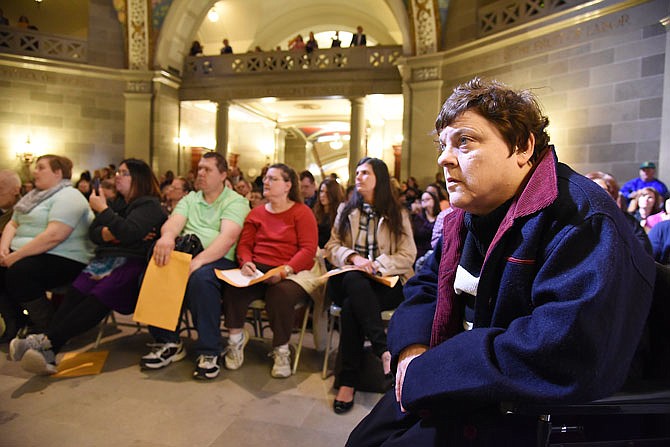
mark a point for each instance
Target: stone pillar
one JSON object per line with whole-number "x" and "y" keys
{"x": 137, "y": 124}
{"x": 425, "y": 105}
{"x": 222, "y": 128}
{"x": 357, "y": 149}
{"x": 663, "y": 169}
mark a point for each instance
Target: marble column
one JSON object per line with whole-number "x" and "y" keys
{"x": 357, "y": 149}
{"x": 137, "y": 122}
{"x": 222, "y": 128}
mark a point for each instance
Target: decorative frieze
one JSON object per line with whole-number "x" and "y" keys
{"x": 425, "y": 21}
{"x": 138, "y": 35}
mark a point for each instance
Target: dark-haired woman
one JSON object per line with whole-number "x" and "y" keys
{"x": 325, "y": 209}
{"x": 371, "y": 231}
{"x": 423, "y": 223}
{"x": 111, "y": 279}
{"x": 282, "y": 232}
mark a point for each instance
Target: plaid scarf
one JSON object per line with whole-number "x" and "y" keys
{"x": 366, "y": 241}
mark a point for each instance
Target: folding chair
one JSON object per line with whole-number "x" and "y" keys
{"x": 334, "y": 314}
{"x": 258, "y": 319}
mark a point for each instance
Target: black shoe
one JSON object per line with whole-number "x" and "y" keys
{"x": 340, "y": 407}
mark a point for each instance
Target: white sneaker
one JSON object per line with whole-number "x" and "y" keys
{"x": 162, "y": 354}
{"x": 40, "y": 362}
{"x": 234, "y": 356}
{"x": 19, "y": 346}
{"x": 282, "y": 366}
{"x": 207, "y": 367}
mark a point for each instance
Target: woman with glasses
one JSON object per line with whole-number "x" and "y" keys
{"x": 282, "y": 232}
{"x": 44, "y": 246}
{"x": 175, "y": 191}
{"x": 373, "y": 232}
{"x": 111, "y": 280}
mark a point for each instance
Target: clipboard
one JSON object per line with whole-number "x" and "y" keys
{"x": 162, "y": 292}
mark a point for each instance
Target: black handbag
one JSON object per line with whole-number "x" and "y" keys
{"x": 189, "y": 243}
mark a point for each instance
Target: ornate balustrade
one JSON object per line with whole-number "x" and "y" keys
{"x": 34, "y": 43}
{"x": 359, "y": 58}
{"x": 505, "y": 14}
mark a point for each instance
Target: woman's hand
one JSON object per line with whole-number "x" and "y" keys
{"x": 406, "y": 356}
{"x": 9, "y": 259}
{"x": 107, "y": 235}
{"x": 364, "y": 264}
{"x": 248, "y": 268}
{"x": 98, "y": 202}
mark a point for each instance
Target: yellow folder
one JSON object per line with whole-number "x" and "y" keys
{"x": 162, "y": 292}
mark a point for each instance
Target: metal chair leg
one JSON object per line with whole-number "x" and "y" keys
{"x": 303, "y": 329}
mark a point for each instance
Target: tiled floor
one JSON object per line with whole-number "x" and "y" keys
{"x": 125, "y": 406}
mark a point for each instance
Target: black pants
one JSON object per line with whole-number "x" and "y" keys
{"x": 362, "y": 300}
{"x": 77, "y": 314}
{"x": 29, "y": 278}
{"x": 485, "y": 426}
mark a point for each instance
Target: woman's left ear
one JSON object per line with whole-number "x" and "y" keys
{"x": 524, "y": 156}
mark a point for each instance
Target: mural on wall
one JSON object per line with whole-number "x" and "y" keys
{"x": 159, "y": 9}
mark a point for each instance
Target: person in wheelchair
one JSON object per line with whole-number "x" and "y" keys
{"x": 538, "y": 291}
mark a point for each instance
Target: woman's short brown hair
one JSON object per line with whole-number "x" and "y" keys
{"x": 516, "y": 114}
{"x": 59, "y": 163}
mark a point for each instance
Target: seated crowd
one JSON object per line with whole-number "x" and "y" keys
{"x": 94, "y": 240}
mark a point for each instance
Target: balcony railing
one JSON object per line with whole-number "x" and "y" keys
{"x": 505, "y": 14}
{"x": 34, "y": 43}
{"x": 366, "y": 58}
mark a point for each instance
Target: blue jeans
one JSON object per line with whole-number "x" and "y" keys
{"x": 203, "y": 298}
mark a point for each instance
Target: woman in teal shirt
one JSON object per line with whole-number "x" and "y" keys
{"x": 45, "y": 245}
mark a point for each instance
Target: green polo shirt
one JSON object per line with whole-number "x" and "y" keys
{"x": 204, "y": 219}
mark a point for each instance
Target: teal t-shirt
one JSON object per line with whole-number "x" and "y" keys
{"x": 204, "y": 219}
{"x": 67, "y": 206}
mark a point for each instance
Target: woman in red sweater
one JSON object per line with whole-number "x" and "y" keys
{"x": 283, "y": 232}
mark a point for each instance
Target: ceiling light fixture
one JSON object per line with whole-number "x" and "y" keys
{"x": 212, "y": 15}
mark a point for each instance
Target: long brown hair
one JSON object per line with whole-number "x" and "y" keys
{"x": 386, "y": 201}
{"x": 335, "y": 197}
{"x": 143, "y": 181}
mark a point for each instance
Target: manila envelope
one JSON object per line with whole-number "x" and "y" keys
{"x": 76, "y": 364}
{"x": 162, "y": 292}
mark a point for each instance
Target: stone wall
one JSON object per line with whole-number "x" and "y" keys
{"x": 105, "y": 36}
{"x": 80, "y": 117}
{"x": 600, "y": 82}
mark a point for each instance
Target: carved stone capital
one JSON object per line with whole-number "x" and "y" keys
{"x": 425, "y": 74}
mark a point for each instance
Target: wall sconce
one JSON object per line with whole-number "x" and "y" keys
{"x": 27, "y": 156}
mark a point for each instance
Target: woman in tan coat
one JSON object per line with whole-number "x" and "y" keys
{"x": 373, "y": 233}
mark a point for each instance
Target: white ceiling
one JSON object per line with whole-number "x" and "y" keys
{"x": 268, "y": 23}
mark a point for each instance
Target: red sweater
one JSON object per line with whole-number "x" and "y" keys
{"x": 289, "y": 238}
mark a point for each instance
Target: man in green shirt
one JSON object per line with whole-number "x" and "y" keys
{"x": 215, "y": 214}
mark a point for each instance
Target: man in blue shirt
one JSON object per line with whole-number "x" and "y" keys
{"x": 647, "y": 178}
